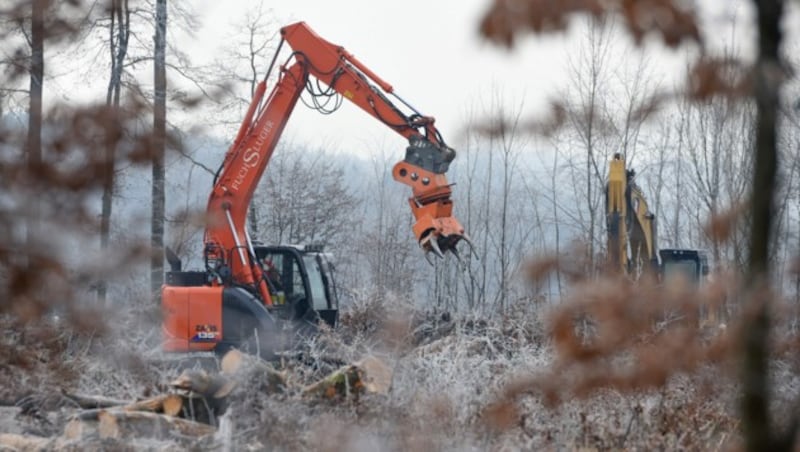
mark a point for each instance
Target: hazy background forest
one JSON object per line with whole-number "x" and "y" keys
{"x": 92, "y": 204}
{"x": 522, "y": 195}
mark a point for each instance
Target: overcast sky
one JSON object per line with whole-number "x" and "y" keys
{"x": 430, "y": 51}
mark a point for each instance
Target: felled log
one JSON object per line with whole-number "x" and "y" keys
{"x": 235, "y": 365}
{"x": 343, "y": 382}
{"x": 169, "y": 404}
{"x": 204, "y": 395}
{"x": 434, "y": 347}
{"x": 26, "y": 443}
{"x": 203, "y": 383}
{"x": 119, "y": 423}
{"x": 76, "y": 429}
{"x": 89, "y": 401}
{"x": 129, "y": 424}
{"x": 377, "y": 375}
{"x": 369, "y": 375}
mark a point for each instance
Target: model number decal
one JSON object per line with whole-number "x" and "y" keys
{"x": 206, "y": 333}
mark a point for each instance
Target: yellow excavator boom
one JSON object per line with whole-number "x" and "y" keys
{"x": 630, "y": 224}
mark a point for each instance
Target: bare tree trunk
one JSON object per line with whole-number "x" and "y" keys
{"x": 504, "y": 264}
{"x": 471, "y": 161}
{"x": 755, "y": 382}
{"x": 118, "y": 46}
{"x": 33, "y": 145}
{"x": 159, "y": 144}
{"x": 252, "y": 213}
{"x": 507, "y": 141}
{"x": 487, "y": 203}
{"x": 588, "y": 78}
{"x": 592, "y": 110}
{"x": 556, "y": 223}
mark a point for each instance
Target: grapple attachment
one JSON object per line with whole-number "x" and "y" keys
{"x": 437, "y": 231}
{"x": 423, "y": 169}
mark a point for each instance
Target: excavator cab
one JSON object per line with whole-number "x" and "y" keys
{"x": 693, "y": 268}
{"x": 691, "y": 265}
{"x": 301, "y": 282}
{"x": 199, "y": 316}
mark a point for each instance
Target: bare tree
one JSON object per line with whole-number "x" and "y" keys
{"x": 788, "y": 230}
{"x": 15, "y": 59}
{"x": 768, "y": 77}
{"x": 716, "y": 134}
{"x": 635, "y": 78}
{"x": 678, "y": 172}
{"x": 53, "y": 190}
{"x": 489, "y": 172}
{"x": 509, "y": 139}
{"x": 306, "y": 200}
{"x": 556, "y": 221}
{"x": 471, "y": 164}
{"x": 587, "y": 116}
{"x": 383, "y": 232}
{"x": 33, "y": 145}
{"x": 244, "y": 62}
{"x": 119, "y": 30}
{"x": 159, "y": 149}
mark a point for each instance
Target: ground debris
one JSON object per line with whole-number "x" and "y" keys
{"x": 191, "y": 408}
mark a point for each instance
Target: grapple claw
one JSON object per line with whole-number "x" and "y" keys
{"x": 428, "y": 258}
{"x": 472, "y": 251}
{"x": 440, "y": 244}
{"x": 434, "y": 242}
{"x": 461, "y": 262}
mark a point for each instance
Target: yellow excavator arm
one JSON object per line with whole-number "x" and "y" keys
{"x": 631, "y": 227}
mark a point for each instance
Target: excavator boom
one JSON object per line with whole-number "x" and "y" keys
{"x": 427, "y": 158}
{"x": 631, "y": 226}
{"x": 423, "y": 169}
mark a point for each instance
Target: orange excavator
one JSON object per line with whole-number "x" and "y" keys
{"x": 249, "y": 295}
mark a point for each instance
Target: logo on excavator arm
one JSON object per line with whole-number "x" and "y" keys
{"x": 251, "y": 156}
{"x": 205, "y": 333}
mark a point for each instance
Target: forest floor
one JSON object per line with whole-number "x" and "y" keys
{"x": 450, "y": 375}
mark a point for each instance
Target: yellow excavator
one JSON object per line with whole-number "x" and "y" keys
{"x": 632, "y": 233}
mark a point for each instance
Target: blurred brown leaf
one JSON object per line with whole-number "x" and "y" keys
{"x": 671, "y": 20}
{"x": 501, "y": 416}
{"x": 721, "y": 225}
{"x": 718, "y": 76}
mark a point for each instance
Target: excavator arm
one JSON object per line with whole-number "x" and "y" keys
{"x": 616, "y": 215}
{"x": 227, "y": 247}
{"x": 643, "y": 232}
{"x": 631, "y": 227}
{"x": 427, "y": 156}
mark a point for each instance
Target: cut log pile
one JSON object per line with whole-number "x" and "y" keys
{"x": 197, "y": 400}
